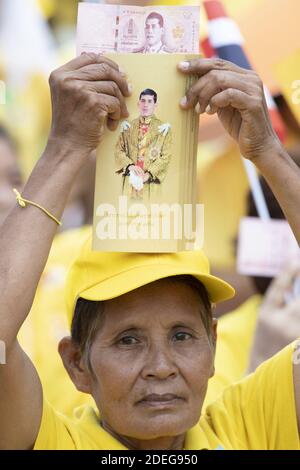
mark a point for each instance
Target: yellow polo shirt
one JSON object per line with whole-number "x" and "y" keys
{"x": 236, "y": 332}
{"x": 257, "y": 413}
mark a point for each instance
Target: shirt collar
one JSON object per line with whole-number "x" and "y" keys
{"x": 196, "y": 438}
{"x": 146, "y": 120}
{"x": 156, "y": 48}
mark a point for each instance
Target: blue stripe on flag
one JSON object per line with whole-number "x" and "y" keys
{"x": 234, "y": 53}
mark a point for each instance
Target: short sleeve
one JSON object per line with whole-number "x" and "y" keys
{"x": 53, "y": 433}
{"x": 260, "y": 411}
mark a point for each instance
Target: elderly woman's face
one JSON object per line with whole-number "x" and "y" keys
{"x": 152, "y": 359}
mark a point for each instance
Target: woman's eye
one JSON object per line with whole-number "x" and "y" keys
{"x": 128, "y": 340}
{"x": 181, "y": 336}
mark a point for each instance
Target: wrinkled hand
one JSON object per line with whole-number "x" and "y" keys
{"x": 237, "y": 96}
{"x": 279, "y": 317}
{"x": 88, "y": 94}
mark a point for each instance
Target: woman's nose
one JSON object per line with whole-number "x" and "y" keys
{"x": 160, "y": 363}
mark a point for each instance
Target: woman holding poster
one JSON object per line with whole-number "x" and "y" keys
{"x": 142, "y": 333}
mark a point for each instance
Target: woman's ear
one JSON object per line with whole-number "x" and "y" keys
{"x": 75, "y": 365}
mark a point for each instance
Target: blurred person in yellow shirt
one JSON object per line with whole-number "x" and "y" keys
{"x": 237, "y": 329}
{"x": 256, "y": 331}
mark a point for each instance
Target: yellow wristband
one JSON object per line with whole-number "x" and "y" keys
{"x": 22, "y": 203}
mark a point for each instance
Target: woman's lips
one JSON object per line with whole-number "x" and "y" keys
{"x": 160, "y": 400}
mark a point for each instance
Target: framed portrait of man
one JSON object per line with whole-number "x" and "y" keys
{"x": 149, "y": 161}
{"x": 144, "y": 149}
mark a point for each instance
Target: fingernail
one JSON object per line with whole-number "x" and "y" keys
{"x": 130, "y": 88}
{"x": 184, "y": 65}
{"x": 122, "y": 71}
{"x": 92, "y": 55}
{"x": 198, "y": 108}
{"x": 208, "y": 109}
{"x": 183, "y": 101}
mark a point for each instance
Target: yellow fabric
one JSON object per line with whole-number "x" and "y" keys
{"x": 235, "y": 337}
{"x": 257, "y": 413}
{"x": 101, "y": 276}
{"x": 47, "y": 324}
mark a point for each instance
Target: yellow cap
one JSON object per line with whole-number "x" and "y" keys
{"x": 102, "y": 276}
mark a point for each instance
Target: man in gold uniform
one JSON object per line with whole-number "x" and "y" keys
{"x": 143, "y": 150}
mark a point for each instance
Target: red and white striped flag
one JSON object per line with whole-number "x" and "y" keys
{"x": 226, "y": 41}
{"x": 207, "y": 49}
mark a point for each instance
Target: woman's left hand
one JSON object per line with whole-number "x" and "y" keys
{"x": 237, "y": 96}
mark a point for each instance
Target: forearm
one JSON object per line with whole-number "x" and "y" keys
{"x": 27, "y": 234}
{"x": 283, "y": 177}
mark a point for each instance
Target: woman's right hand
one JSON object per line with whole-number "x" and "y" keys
{"x": 87, "y": 94}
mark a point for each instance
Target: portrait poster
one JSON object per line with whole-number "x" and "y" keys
{"x": 146, "y": 169}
